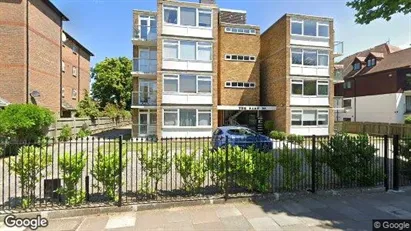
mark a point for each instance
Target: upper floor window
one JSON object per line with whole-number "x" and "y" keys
{"x": 347, "y": 84}
{"x": 63, "y": 66}
{"x": 74, "y": 71}
{"x": 75, "y": 49}
{"x": 187, "y": 50}
{"x": 246, "y": 58}
{"x": 371, "y": 62}
{"x": 74, "y": 94}
{"x": 236, "y": 30}
{"x": 347, "y": 103}
{"x": 357, "y": 66}
{"x": 187, "y": 16}
{"x": 187, "y": 83}
{"x": 309, "y": 117}
{"x": 309, "y": 57}
{"x": 309, "y": 28}
{"x": 231, "y": 84}
{"x": 309, "y": 87}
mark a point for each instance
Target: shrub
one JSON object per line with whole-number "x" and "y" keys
{"x": 83, "y": 132}
{"x": 407, "y": 120}
{"x": 405, "y": 153}
{"x": 71, "y": 167}
{"x": 87, "y": 107}
{"x": 264, "y": 164}
{"x": 277, "y": 135}
{"x": 191, "y": 170}
{"x": 66, "y": 133}
{"x": 155, "y": 164}
{"x": 268, "y": 126}
{"x": 353, "y": 159}
{"x": 107, "y": 172}
{"x": 25, "y": 122}
{"x": 295, "y": 139}
{"x": 29, "y": 166}
{"x": 291, "y": 160}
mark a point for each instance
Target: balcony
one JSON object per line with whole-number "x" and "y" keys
{"x": 145, "y": 35}
{"x": 143, "y": 99}
{"x": 144, "y": 66}
{"x": 338, "y": 48}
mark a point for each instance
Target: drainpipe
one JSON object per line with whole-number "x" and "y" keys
{"x": 355, "y": 99}
{"x": 27, "y": 51}
{"x": 61, "y": 68}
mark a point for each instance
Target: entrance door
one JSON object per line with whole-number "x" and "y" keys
{"x": 143, "y": 123}
{"x": 148, "y": 92}
{"x": 148, "y": 28}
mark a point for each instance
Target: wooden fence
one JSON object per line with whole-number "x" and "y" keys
{"x": 373, "y": 128}
{"x": 95, "y": 126}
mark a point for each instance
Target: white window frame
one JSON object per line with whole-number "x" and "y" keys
{"x": 318, "y": 83}
{"x": 317, "y": 112}
{"x": 356, "y": 66}
{"x": 229, "y": 84}
{"x": 318, "y": 29}
{"x": 197, "y": 44}
{"x": 63, "y": 66}
{"x": 323, "y": 83}
{"x": 73, "y": 94}
{"x": 74, "y": 70}
{"x": 235, "y": 30}
{"x": 62, "y": 92}
{"x": 198, "y": 111}
{"x": 198, "y": 10}
{"x": 319, "y": 52}
{"x": 302, "y": 28}
{"x": 373, "y": 61}
{"x": 229, "y": 57}
{"x": 350, "y": 103}
{"x": 204, "y": 78}
{"x": 323, "y": 53}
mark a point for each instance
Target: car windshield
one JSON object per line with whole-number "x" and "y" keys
{"x": 241, "y": 132}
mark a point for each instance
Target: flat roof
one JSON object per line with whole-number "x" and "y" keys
{"x": 82, "y": 47}
{"x": 53, "y": 7}
{"x": 232, "y": 10}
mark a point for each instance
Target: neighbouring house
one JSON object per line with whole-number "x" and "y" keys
{"x": 377, "y": 85}
{"x": 31, "y": 68}
{"x": 197, "y": 66}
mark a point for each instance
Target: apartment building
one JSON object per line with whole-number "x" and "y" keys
{"x": 75, "y": 67}
{"x": 297, "y": 72}
{"x": 32, "y": 51}
{"x": 377, "y": 85}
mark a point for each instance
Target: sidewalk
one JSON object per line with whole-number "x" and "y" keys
{"x": 353, "y": 212}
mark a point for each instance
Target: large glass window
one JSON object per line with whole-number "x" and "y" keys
{"x": 204, "y": 118}
{"x": 297, "y": 87}
{"x": 310, "y": 28}
{"x": 188, "y": 50}
{"x": 347, "y": 103}
{"x": 171, "y": 117}
{"x": 188, "y": 117}
{"x": 204, "y": 51}
{"x": 309, "y": 117}
{"x": 310, "y": 58}
{"x": 323, "y": 58}
{"x": 323, "y": 30}
{"x": 357, "y": 66}
{"x": 297, "y": 28}
{"x": 322, "y": 117}
{"x": 170, "y": 83}
{"x": 188, "y": 83}
{"x": 188, "y": 16}
{"x": 171, "y": 49}
{"x": 204, "y": 18}
{"x": 297, "y": 56}
{"x": 310, "y": 87}
{"x": 323, "y": 88}
{"x": 204, "y": 84}
{"x": 170, "y": 14}
{"x": 296, "y": 117}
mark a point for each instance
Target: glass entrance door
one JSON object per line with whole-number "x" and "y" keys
{"x": 147, "y": 122}
{"x": 148, "y": 28}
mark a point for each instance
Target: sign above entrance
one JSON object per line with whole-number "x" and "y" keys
{"x": 246, "y": 108}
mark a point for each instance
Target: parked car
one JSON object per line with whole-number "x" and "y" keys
{"x": 240, "y": 136}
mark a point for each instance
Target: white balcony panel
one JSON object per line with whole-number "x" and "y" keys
{"x": 308, "y": 131}
{"x": 187, "y": 31}
{"x": 187, "y": 65}
{"x": 175, "y": 98}
{"x": 309, "y": 101}
{"x": 300, "y": 40}
{"x": 310, "y": 71}
{"x": 182, "y": 132}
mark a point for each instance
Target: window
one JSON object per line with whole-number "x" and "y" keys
{"x": 347, "y": 119}
{"x": 323, "y": 58}
{"x": 204, "y": 18}
{"x": 310, "y": 58}
{"x": 347, "y": 103}
{"x": 348, "y": 84}
{"x": 187, "y": 117}
{"x": 170, "y": 83}
{"x": 187, "y": 50}
{"x": 323, "y": 30}
{"x": 322, "y": 88}
{"x": 171, "y": 117}
{"x": 188, "y": 84}
{"x": 204, "y": 118}
{"x": 188, "y": 16}
{"x": 204, "y": 51}
{"x": 230, "y": 84}
{"x": 309, "y": 117}
{"x": 297, "y": 56}
{"x": 297, "y": 27}
{"x": 204, "y": 84}
{"x": 75, "y": 49}
{"x": 357, "y": 66}
{"x": 63, "y": 66}
{"x": 407, "y": 103}
{"x": 74, "y": 71}
{"x": 297, "y": 87}
{"x": 322, "y": 117}
{"x": 171, "y": 49}
{"x": 296, "y": 117}
{"x": 235, "y": 30}
{"x": 62, "y": 92}
{"x": 310, "y": 87}
{"x": 74, "y": 94}
{"x": 170, "y": 14}
{"x": 246, "y": 58}
{"x": 310, "y": 28}
{"x": 371, "y": 62}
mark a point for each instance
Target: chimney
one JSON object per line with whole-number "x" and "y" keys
{"x": 207, "y": 1}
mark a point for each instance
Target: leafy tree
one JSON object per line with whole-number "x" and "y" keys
{"x": 369, "y": 10}
{"x": 87, "y": 107}
{"x": 113, "y": 82}
{"x": 66, "y": 133}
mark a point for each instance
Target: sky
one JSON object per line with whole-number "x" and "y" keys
{"x": 105, "y": 26}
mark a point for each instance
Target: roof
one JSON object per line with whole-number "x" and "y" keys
{"x": 377, "y": 54}
{"x": 394, "y": 60}
{"x": 384, "y": 48}
{"x": 53, "y": 7}
{"x": 3, "y": 102}
{"x": 78, "y": 43}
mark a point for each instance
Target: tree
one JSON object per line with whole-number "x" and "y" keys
{"x": 113, "y": 82}
{"x": 369, "y": 10}
{"x": 87, "y": 107}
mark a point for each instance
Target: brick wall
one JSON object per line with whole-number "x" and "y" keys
{"x": 70, "y": 82}
{"x": 84, "y": 70}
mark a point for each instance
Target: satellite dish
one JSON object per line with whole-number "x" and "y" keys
{"x": 63, "y": 36}
{"x": 35, "y": 94}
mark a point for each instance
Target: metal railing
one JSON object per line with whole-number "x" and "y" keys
{"x": 145, "y": 66}
{"x": 338, "y": 48}
{"x": 144, "y": 98}
{"x": 145, "y": 33}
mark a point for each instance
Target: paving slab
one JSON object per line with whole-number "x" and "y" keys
{"x": 284, "y": 219}
{"x": 235, "y": 223}
{"x": 227, "y": 212}
{"x": 295, "y": 208}
{"x": 93, "y": 223}
{"x": 264, "y": 223}
{"x": 67, "y": 224}
{"x": 206, "y": 215}
{"x": 121, "y": 221}
{"x": 249, "y": 210}
{"x": 209, "y": 226}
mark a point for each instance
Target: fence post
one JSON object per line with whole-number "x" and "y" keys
{"x": 87, "y": 188}
{"x": 120, "y": 167}
{"x": 386, "y": 172}
{"x": 226, "y": 169}
{"x": 313, "y": 165}
{"x": 396, "y": 174}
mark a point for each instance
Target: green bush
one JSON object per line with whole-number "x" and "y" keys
{"x": 71, "y": 167}
{"x": 107, "y": 172}
{"x": 353, "y": 159}
{"x": 83, "y": 132}
{"x": 268, "y": 126}
{"x": 87, "y": 107}
{"x": 264, "y": 164}
{"x": 155, "y": 164}
{"x": 191, "y": 170}
{"x": 405, "y": 153}
{"x": 295, "y": 139}
{"x": 66, "y": 133}
{"x": 29, "y": 166}
{"x": 277, "y": 135}
{"x": 25, "y": 122}
{"x": 291, "y": 160}
{"x": 407, "y": 120}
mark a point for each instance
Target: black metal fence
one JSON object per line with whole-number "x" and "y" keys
{"x": 100, "y": 172}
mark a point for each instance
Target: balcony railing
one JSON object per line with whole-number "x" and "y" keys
{"x": 145, "y": 66}
{"x": 145, "y": 33}
{"x": 338, "y": 48}
{"x": 144, "y": 98}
